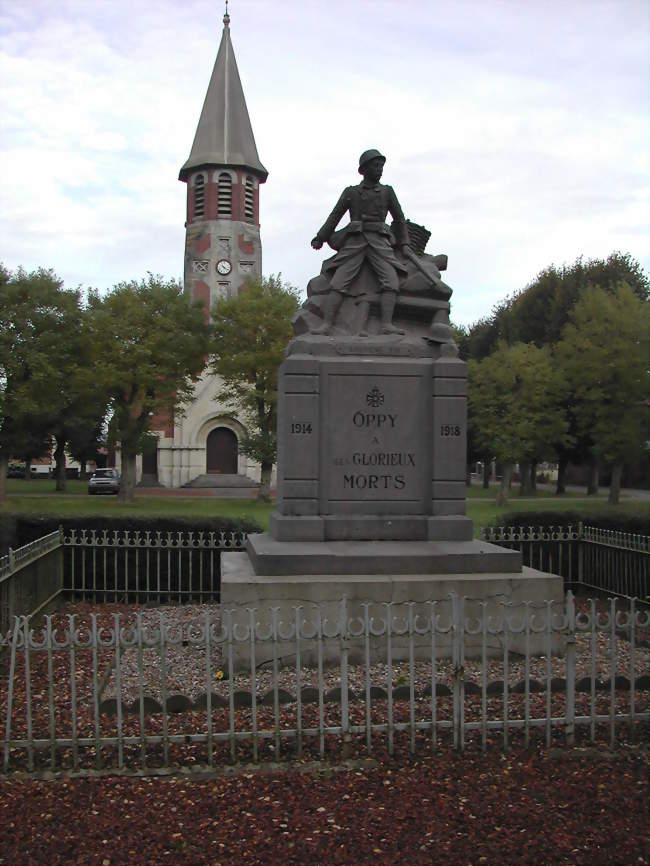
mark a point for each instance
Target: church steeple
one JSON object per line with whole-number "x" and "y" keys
{"x": 223, "y": 176}
{"x": 224, "y": 136}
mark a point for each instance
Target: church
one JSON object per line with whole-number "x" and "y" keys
{"x": 223, "y": 174}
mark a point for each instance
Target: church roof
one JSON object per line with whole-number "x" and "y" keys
{"x": 224, "y": 135}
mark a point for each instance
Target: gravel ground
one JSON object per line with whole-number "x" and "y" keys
{"x": 573, "y": 808}
{"x": 186, "y": 665}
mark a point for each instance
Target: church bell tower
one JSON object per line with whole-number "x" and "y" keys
{"x": 223, "y": 175}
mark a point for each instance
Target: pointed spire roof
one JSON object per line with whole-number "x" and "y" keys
{"x": 224, "y": 135}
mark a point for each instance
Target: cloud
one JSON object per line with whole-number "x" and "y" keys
{"x": 516, "y": 132}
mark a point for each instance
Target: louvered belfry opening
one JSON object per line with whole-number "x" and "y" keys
{"x": 249, "y": 200}
{"x": 224, "y": 195}
{"x": 199, "y": 196}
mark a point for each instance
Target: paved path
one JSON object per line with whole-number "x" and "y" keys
{"x": 626, "y": 492}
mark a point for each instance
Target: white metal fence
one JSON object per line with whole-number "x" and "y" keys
{"x": 132, "y": 566}
{"x": 105, "y": 692}
{"x": 30, "y": 577}
{"x": 113, "y": 566}
{"x": 602, "y": 559}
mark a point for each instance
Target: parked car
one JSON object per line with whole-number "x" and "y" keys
{"x": 41, "y": 469}
{"x": 104, "y": 481}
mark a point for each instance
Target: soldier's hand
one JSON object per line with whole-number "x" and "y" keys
{"x": 406, "y": 249}
{"x": 316, "y": 243}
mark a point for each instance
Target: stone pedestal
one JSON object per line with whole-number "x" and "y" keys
{"x": 372, "y": 440}
{"x": 502, "y": 591}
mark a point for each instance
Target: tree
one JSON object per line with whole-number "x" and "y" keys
{"x": 152, "y": 343}
{"x": 483, "y": 337}
{"x": 603, "y": 355}
{"x": 515, "y": 401}
{"x": 251, "y": 333}
{"x": 32, "y": 440}
{"x": 80, "y": 419}
{"x": 38, "y": 326}
{"x": 86, "y": 440}
{"x": 78, "y": 400}
{"x": 539, "y": 313}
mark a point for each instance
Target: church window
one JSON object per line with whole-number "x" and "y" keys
{"x": 219, "y": 292}
{"x": 249, "y": 199}
{"x": 224, "y": 187}
{"x": 199, "y": 196}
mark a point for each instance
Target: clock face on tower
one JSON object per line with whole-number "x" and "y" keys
{"x": 224, "y": 267}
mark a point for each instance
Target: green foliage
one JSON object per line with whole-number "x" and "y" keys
{"x": 17, "y": 530}
{"x": 151, "y": 342}
{"x": 538, "y": 316}
{"x": 80, "y": 507}
{"x": 603, "y": 355}
{"x": 42, "y": 361}
{"x": 607, "y": 518}
{"x": 539, "y": 313}
{"x": 484, "y": 335}
{"x": 30, "y": 306}
{"x": 86, "y": 438}
{"x": 516, "y": 403}
{"x": 251, "y": 333}
{"x": 8, "y": 532}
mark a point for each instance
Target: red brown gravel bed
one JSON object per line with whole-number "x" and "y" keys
{"x": 537, "y": 806}
{"x": 529, "y": 807}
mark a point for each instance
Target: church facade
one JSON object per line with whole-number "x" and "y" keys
{"x": 223, "y": 174}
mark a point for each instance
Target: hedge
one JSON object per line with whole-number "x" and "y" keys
{"x": 609, "y": 519}
{"x": 17, "y": 530}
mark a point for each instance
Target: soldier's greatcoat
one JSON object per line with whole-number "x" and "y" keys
{"x": 366, "y": 238}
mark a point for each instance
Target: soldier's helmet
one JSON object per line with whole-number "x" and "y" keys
{"x": 367, "y": 155}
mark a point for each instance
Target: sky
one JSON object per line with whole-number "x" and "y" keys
{"x": 516, "y": 132}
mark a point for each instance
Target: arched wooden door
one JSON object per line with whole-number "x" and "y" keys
{"x": 221, "y": 452}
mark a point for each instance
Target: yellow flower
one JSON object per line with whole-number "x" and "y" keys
{"x": 219, "y": 675}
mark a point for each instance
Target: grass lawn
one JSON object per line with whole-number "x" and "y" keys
{"x": 43, "y": 485}
{"x": 38, "y": 496}
{"x": 485, "y": 513}
{"x": 66, "y": 506}
{"x": 476, "y": 491}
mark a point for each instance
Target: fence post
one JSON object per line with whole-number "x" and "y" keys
{"x": 461, "y": 673}
{"x": 580, "y": 553}
{"x": 456, "y": 637}
{"x": 345, "y": 708}
{"x": 60, "y": 560}
{"x": 10, "y": 693}
{"x": 570, "y": 669}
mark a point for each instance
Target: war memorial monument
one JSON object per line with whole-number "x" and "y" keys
{"x": 372, "y": 436}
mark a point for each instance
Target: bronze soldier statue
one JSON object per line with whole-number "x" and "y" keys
{"x": 366, "y": 239}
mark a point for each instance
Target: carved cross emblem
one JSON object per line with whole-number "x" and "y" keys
{"x": 375, "y": 397}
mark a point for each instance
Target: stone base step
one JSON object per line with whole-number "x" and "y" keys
{"x": 226, "y": 482}
{"x": 279, "y": 595}
{"x": 338, "y": 558}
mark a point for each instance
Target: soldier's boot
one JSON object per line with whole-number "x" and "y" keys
{"x": 334, "y": 301}
{"x": 364, "y": 310}
{"x": 387, "y": 308}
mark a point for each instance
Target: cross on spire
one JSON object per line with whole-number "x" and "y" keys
{"x": 226, "y": 17}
